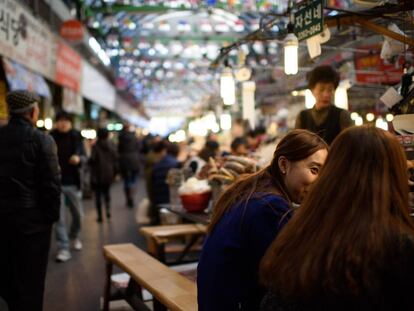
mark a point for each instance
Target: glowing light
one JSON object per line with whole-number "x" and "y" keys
{"x": 227, "y": 87}
{"x": 40, "y": 123}
{"x": 389, "y": 117}
{"x": 291, "y": 46}
{"x": 359, "y": 121}
{"x": 370, "y": 117}
{"x": 48, "y": 124}
{"x": 354, "y": 115}
{"x": 309, "y": 99}
{"x": 225, "y": 122}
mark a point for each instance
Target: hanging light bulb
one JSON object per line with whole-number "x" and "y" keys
{"x": 227, "y": 87}
{"x": 291, "y": 45}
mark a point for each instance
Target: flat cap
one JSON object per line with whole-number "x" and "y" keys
{"x": 21, "y": 101}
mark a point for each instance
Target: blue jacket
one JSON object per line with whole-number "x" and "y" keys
{"x": 227, "y": 277}
{"x": 159, "y": 185}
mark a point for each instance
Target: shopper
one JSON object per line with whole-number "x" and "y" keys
{"x": 350, "y": 244}
{"x": 239, "y": 147}
{"x": 129, "y": 149}
{"x": 246, "y": 219}
{"x": 159, "y": 186}
{"x": 29, "y": 203}
{"x": 324, "y": 118}
{"x": 103, "y": 163}
{"x": 71, "y": 155}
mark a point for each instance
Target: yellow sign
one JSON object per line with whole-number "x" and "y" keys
{"x": 3, "y": 106}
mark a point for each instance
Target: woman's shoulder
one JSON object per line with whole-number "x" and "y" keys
{"x": 266, "y": 206}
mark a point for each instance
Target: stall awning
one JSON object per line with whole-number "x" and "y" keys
{"x": 21, "y": 78}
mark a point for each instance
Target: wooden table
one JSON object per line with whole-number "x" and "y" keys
{"x": 202, "y": 218}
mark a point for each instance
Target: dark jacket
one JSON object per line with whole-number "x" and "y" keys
{"x": 29, "y": 176}
{"x": 68, "y": 144}
{"x": 227, "y": 276}
{"x": 128, "y": 149}
{"x": 160, "y": 191}
{"x": 103, "y": 163}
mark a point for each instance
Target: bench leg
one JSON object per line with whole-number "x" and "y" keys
{"x": 133, "y": 289}
{"x": 107, "y": 290}
{"x": 161, "y": 252}
{"x": 158, "y": 306}
{"x": 187, "y": 248}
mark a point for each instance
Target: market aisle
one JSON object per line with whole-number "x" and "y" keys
{"x": 77, "y": 285}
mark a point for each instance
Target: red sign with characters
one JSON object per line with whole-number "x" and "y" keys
{"x": 72, "y": 30}
{"x": 373, "y": 70}
{"x": 68, "y": 67}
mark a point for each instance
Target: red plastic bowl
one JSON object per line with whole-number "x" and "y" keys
{"x": 197, "y": 202}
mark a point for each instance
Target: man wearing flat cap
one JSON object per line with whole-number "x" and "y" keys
{"x": 29, "y": 203}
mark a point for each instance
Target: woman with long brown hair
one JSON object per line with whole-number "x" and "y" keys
{"x": 247, "y": 218}
{"x": 349, "y": 246}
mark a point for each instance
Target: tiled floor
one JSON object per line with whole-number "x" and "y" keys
{"x": 77, "y": 285}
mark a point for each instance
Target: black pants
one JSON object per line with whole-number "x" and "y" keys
{"x": 23, "y": 264}
{"x": 102, "y": 191}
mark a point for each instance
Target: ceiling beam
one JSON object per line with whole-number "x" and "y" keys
{"x": 365, "y": 22}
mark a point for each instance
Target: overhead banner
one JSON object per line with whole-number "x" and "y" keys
{"x": 25, "y": 39}
{"x": 68, "y": 67}
{"x": 97, "y": 88}
{"x": 21, "y": 78}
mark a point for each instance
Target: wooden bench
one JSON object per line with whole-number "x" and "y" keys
{"x": 158, "y": 237}
{"x": 170, "y": 290}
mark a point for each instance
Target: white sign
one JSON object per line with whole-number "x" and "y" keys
{"x": 26, "y": 40}
{"x": 97, "y": 88}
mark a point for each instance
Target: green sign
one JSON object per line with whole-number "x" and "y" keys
{"x": 309, "y": 20}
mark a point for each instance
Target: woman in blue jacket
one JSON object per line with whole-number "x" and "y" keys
{"x": 248, "y": 217}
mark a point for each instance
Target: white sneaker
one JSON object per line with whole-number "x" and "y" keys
{"x": 63, "y": 255}
{"x": 77, "y": 244}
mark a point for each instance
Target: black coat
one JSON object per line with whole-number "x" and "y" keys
{"x": 68, "y": 144}
{"x": 128, "y": 149}
{"x": 29, "y": 176}
{"x": 103, "y": 163}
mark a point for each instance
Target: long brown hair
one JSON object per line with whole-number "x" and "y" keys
{"x": 295, "y": 146}
{"x": 350, "y": 221}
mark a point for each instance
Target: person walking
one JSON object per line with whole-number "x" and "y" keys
{"x": 71, "y": 154}
{"x": 29, "y": 203}
{"x": 129, "y": 150}
{"x": 103, "y": 164}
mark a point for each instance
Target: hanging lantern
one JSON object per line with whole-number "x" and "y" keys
{"x": 291, "y": 45}
{"x": 227, "y": 87}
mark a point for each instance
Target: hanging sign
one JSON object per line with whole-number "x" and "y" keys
{"x": 25, "y": 39}
{"x": 72, "y": 30}
{"x": 21, "y": 78}
{"x": 309, "y": 20}
{"x": 68, "y": 67}
{"x": 3, "y": 106}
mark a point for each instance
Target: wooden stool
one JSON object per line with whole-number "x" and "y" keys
{"x": 158, "y": 236}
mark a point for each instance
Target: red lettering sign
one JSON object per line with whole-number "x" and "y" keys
{"x": 68, "y": 67}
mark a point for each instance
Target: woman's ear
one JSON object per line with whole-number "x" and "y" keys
{"x": 283, "y": 164}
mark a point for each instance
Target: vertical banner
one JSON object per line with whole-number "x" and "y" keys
{"x": 68, "y": 67}
{"x": 249, "y": 113}
{"x": 3, "y": 106}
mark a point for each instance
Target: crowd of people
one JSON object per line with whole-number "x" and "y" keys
{"x": 324, "y": 226}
